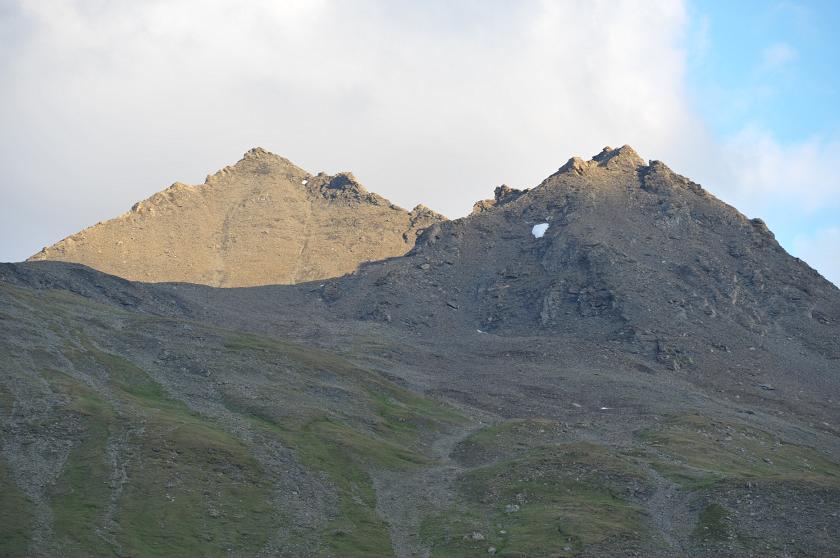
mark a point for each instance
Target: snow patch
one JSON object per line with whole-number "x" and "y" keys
{"x": 539, "y": 230}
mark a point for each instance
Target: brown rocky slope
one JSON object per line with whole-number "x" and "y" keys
{"x": 261, "y": 221}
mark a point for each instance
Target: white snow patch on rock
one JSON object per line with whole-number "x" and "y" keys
{"x": 539, "y": 230}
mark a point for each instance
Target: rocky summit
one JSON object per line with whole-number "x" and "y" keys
{"x": 261, "y": 221}
{"x": 611, "y": 363}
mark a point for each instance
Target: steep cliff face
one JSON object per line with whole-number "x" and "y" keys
{"x": 261, "y": 221}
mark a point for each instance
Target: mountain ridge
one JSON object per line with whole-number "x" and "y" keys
{"x": 299, "y": 226}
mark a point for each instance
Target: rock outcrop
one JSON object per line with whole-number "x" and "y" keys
{"x": 501, "y": 195}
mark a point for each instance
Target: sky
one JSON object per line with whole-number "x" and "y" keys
{"x": 104, "y": 102}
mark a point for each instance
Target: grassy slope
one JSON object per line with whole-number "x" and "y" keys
{"x": 194, "y": 488}
{"x": 574, "y": 495}
{"x": 15, "y": 510}
{"x": 543, "y": 498}
{"x": 697, "y": 451}
{"x": 191, "y": 488}
{"x": 15, "y": 517}
{"x": 347, "y": 452}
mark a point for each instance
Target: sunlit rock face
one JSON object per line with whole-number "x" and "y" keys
{"x": 261, "y": 221}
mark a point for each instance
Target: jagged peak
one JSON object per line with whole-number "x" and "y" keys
{"x": 502, "y": 195}
{"x": 346, "y": 181}
{"x": 255, "y": 153}
{"x": 423, "y": 211}
{"x": 574, "y": 164}
{"x": 258, "y": 153}
{"x": 624, "y": 157}
{"x": 420, "y": 208}
{"x": 623, "y": 154}
{"x": 259, "y": 161}
{"x": 343, "y": 186}
{"x": 505, "y": 193}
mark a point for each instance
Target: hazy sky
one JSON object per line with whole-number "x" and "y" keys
{"x": 104, "y": 102}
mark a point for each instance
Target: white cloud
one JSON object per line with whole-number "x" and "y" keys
{"x": 104, "y": 103}
{"x": 758, "y": 174}
{"x": 426, "y": 102}
{"x": 822, "y": 251}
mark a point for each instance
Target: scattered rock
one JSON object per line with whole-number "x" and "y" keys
{"x": 474, "y": 536}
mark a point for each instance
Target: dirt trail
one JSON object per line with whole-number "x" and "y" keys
{"x": 404, "y": 498}
{"x": 668, "y": 510}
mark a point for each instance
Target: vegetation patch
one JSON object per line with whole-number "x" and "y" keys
{"x": 386, "y": 431}
{"x": 346, "y": 456}
{"x": 16, "y": 518}
{"x": 552, "y": 501}
{"x": 702, "y": 451}
{"x": 191, "y": 488}
{"x": 80, "y": 494}
{"x": 711, "y": 524}
{"x": 509, "y": 439}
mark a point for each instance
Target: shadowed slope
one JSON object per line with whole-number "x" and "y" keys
{"x": 635, "y": 257}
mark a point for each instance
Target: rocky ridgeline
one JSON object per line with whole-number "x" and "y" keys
{"x": 261, "y": 221}
{"x": 634, "y": 255}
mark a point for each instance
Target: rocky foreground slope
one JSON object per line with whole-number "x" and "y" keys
{"x": 653, "y": 376}
{"x": 261, "y": 221}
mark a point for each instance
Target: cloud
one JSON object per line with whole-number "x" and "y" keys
{"x": 105, "y": 103}
{"x": 822, "y": 251}
{"x": 757, "y": 173}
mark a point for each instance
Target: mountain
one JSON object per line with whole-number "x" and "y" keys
{"x": 634, "y": 257}
{"x": 261, "y": 221}
{"x": 611, "y": 363}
